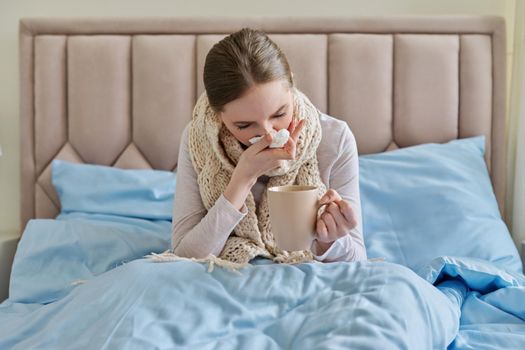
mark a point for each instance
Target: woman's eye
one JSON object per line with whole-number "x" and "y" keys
{"x": 240, "y": 127}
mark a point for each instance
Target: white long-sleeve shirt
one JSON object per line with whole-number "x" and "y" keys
{"x": 197, "y": 232}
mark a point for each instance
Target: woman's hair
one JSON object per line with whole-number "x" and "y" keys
{"x": 239, "y": 61}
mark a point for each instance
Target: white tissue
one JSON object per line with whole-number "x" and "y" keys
{"x": 279, "y": 138}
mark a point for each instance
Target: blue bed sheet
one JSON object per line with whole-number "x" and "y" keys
{"x": 84, "y": 295}
{"x": 491, "y": 300}
{"x": 148, "y": 305}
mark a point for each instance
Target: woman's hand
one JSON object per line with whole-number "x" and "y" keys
{"x": 337, "y": 220}
{"x": 257, "y": 160}
{"x": 291, "y": 145}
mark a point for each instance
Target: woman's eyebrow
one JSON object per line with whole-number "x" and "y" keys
{"x": 277, "y": 112}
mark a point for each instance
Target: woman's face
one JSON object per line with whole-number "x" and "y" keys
{"x": 262, "y": 108}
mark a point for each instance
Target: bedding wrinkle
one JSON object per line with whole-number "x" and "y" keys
{"x": 380, "y": 299}
{"x": 398, "y": 243}
{"x": 122, "y": 318}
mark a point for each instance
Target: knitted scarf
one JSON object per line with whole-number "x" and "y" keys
{"x": 215, "y": 152}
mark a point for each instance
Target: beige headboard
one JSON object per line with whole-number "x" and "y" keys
{"x": 118, "y": 91}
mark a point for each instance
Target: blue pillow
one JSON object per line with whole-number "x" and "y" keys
{"x": 54, "y": 255}
{"x": 140, "y": 193}
{"x": 430, "y": 200}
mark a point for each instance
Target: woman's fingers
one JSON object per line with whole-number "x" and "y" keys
{"x": 291, "y": 127}
{"x": 262, "y": 144}
{"x": 290, "y": 147}
{"x": 322, "y": 231}
{"x": 340, "y": 221}
{"x": 330, "y": 225}
{"x": 337, "y": 220}
{"x": 280, "y": 153}
{"x": 291, "y": 144}
{"x": 294, "y": 134}
{"x": 277, "y": 155}
{"x": 348, "y": 213}
{"x": 330, "y": 196}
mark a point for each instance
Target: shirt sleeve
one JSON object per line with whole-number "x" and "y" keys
{"x": 344, "y": 178}
{"x": 197, "y": 232}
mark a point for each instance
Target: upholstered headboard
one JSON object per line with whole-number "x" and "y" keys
{"x": 118, "y": 91}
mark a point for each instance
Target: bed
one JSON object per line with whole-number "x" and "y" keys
{"x": 103, "y": 102}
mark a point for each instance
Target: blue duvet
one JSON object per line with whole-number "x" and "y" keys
{"x": 94, "y": 290}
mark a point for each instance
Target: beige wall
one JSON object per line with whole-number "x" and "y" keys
{"x": 516, "y": 156}
{"x": 12, "y": 10}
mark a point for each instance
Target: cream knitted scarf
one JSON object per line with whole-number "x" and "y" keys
{"x": 215, "y": 152}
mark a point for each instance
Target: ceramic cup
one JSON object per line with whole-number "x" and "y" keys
{"x": 293, "y": 215}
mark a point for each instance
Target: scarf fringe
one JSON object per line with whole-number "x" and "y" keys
{"x": 211, "y": 260}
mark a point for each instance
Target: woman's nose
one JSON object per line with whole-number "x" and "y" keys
{"x": 266, "y": 129}
{"x": 270, "y": 126}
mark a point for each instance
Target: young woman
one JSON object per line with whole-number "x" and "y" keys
{"x": 220, "y": 204}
